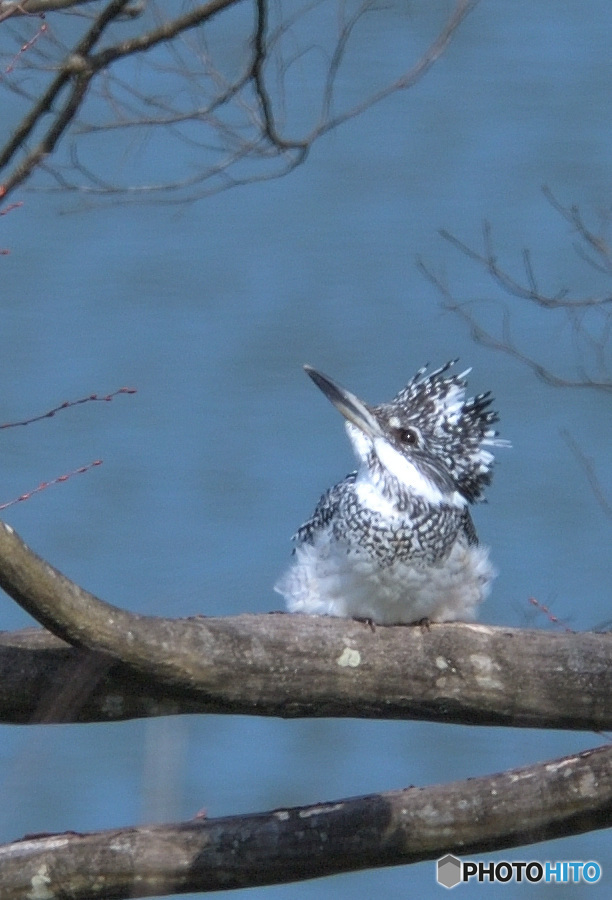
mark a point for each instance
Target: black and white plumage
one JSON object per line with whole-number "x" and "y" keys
{"x": 394, "y": 541}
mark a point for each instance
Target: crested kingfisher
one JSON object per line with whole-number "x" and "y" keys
{"x": 394, "y": 542}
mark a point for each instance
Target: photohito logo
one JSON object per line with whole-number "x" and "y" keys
{"x": 452, "y": 871}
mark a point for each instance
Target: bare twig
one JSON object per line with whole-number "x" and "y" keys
{"x": 510, "y": 285}
{"x": 588, "y": 467}
{"x": 91, "y": 398}
{"x": 47, "y": 484}
{"x": 589, "y": 318}
{"x": 603, "y": 262}
{"x": 415, "y": 73}
{"x": 79, "y": 68}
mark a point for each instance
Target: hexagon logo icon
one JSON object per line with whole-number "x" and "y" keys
{"x": 449, "y": 871}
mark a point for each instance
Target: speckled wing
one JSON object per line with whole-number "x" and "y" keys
{"x": 469, "y": 528}
{"x": 325, "y": 511}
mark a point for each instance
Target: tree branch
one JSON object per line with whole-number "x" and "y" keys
{"x": 416, "y": 72}
{"x": 79, "y": 68}
{"x": 289, "y": 665}
{"x": 535, "y": 803}
{"x": 45, "y": 680}
{"x": 36, "y": 7}
{"x": 587, "y": 320}
{"x": 230, "y": 123}
{"x": 75, "y": 70}
{"x": 265, "y": 104}
{"x": 165, "y": 32}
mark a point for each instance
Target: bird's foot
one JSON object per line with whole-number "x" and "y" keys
{"x": 366, "y": 620}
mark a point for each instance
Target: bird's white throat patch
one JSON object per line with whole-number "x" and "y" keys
{"x": 408, "y": 474}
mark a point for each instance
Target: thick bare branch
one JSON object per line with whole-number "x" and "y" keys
{"x": 60, "y": 123}
{"x": 36, "y": 7}
{"x": 75, "y": 70}
{"x": 78, "y": 69}
{"x": 535, "y": 803}
{"x": 281, "y": 665}
{"x": 17, "y": 8}
{"x": 165, "y": 32}
{"x": 259, "y": 58}
{"x": 45, "y": 680}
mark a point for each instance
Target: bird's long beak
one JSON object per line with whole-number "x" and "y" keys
{"x": 352, "y": 408}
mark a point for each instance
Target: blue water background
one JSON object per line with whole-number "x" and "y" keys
{"x": 209, "y": 309}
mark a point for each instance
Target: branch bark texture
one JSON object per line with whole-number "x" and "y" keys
{"x": 534, "y": 803}
{"x": 286, "y": 665}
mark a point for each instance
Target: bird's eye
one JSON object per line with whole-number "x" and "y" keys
{"x": 407, "y": 435}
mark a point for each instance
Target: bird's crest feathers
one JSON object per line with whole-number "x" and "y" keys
{"x": 450, "y": 431}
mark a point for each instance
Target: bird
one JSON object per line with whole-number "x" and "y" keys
{"x": 394, "y": 543}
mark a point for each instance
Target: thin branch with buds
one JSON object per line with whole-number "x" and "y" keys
{"x": 67, "y": 404}
{"x": 47, "y": 484}
{"x": 91, "y": 398}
